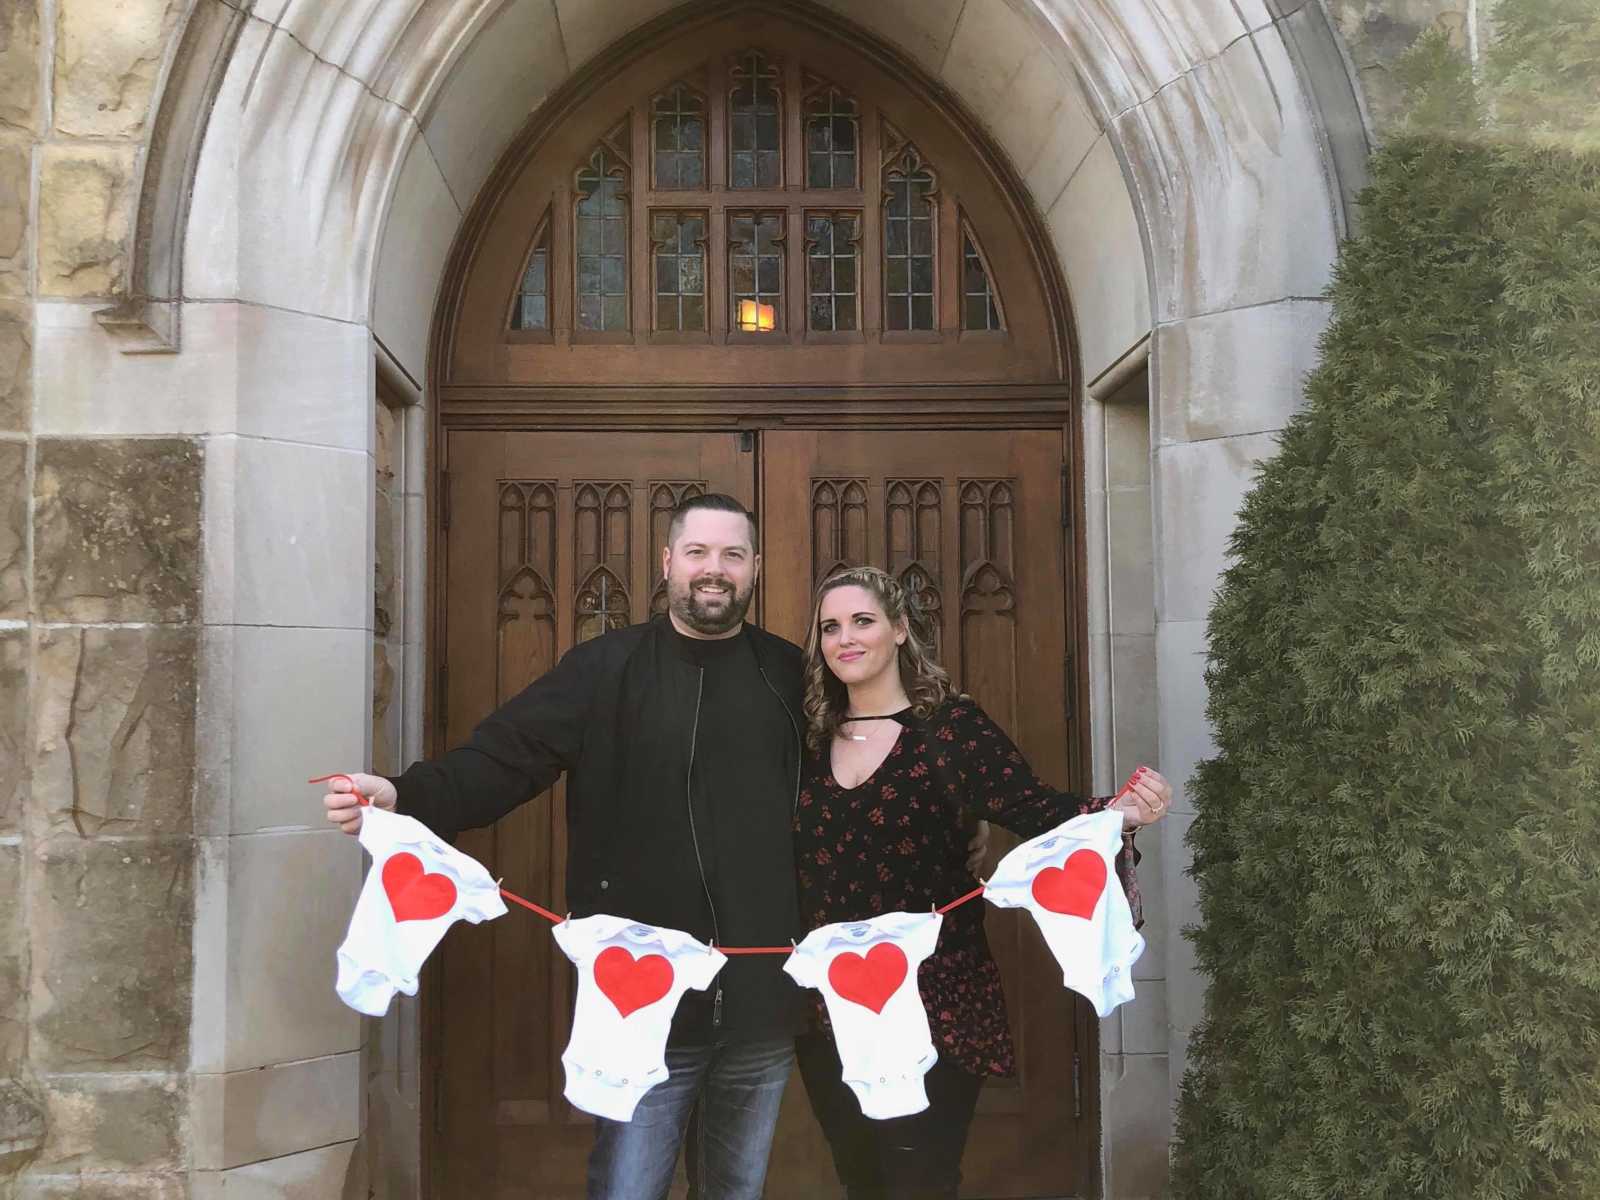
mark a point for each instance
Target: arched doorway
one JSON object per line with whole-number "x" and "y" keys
{"x": 303, "y": 167}
{"x": 745, "y": 255}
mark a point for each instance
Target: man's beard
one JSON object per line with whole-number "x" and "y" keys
{"x": 691, "y": 608}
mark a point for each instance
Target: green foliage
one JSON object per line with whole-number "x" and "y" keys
{"x": 1441, "y": 95}
{"x": 1397, "y": 841}
{"x": 1545, "y": 69}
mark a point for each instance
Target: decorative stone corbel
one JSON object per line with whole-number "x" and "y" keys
{"x": 143, "y": 326}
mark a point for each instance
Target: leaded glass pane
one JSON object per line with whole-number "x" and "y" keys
{"x": 978, "y": 307}
{"x": 678, "y": 119}
{"x": 755, "y": 261}
{"x": 678, "y": 241}
{"x": 908, "y": 264}
{"x": 831, "y": 141}
{"x": 602, "y": 258}
{"x": 755, "y": 125}
{"x": 532, "y": 310}
{"x": 832, "y": 243}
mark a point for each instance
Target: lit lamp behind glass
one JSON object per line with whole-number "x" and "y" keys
{"x": 755, "y": 317}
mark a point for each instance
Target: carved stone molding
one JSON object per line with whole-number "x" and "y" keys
{"x": 149, "y": 320}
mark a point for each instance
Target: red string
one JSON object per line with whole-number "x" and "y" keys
{"x": 557, "y": 918}
{"x": 361, "y": 799}
{"x": 553, "y": 918}
{"x": 972, "y": 895}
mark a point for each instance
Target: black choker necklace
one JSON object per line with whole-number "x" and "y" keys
{"x": 861, "y": 737}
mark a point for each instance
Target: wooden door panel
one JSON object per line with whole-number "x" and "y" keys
{"x": 972, "y": 521}
{"x": 553, "y": 538}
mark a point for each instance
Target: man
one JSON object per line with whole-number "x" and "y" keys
{"x": 681, "y": 742}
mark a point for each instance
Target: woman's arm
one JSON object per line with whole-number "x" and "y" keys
{"x": 991, "y": 779}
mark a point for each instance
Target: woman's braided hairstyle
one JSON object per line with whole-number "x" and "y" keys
{"x": 927, "y": 684}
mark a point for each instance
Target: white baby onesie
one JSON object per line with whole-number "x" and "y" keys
{"x": 630, "y": 979}
{"x": 1067, "y": 879}
{"x": 416, "y": 889}
{"x": 867, "y": 974}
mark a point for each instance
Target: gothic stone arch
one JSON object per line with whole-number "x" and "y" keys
{"x": 1191, "y": 165}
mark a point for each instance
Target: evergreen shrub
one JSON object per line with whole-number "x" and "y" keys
{"x": 1397, "y": 840}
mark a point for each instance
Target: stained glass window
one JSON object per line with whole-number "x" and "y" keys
{"x": 755, "y": 270}
{"x": 979, "y": 308}
{"x": 533, "y": 297}
{"x": 678, "y": 120}
{"x": 678, "y": 241}
{"x": 710, "y": 260}
{"x": 908, "y": 245}
{"x": 602, "y": 257}
{"x": 832, "y": 242}
{"x": 831, "y": 141}
{"x": 755, "y": 125}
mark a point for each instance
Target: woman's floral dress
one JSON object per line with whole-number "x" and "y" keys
{"x": 898, "y": 842}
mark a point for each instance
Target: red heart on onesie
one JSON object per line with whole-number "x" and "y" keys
{"x": 1074, "y": 887}
{"x": 631, "y": 983}
{"x": 869, "y": 981}
{"x": 414, "y": 894}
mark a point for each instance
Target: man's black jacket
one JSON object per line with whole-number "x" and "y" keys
{"x": 618, "y": 715}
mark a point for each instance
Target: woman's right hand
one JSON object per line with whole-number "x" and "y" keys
{"x": 344, "y": 809}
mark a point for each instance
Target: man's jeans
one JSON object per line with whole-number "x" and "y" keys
{"x": 739, "y": 1086}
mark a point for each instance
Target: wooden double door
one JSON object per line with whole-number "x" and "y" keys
{"x": 555, "y": 537}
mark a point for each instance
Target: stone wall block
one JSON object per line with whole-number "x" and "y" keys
{"x": 85, "y": 219}
{"x": 386, "y": 563}
{"x": 13, "y": 973}
{"x": 16, "y": 359}
{"x": 1137, "y": 1119}
{"x": 13, "y": 728}
{"x": 13, "y": 530}
{"x": 922, "y": 28}
{"x": 1096, "y": 235}
{"x": 1377, "y": 32}
{"x": 385, "y": 739}
{"x": 311, "y": 1175}
{"x": 16, "y": 151}
{"x": 111, "y": 955}
{"x": 250, "y": 1116}
{"x": 19, "y": 67}
{"x": 119, "y": 1186}
{"x": 108, "y": 54}
{"x": 113, "y": 1123}
{"x": 387, "y": 432}
{"x": 22, "y": 1128}
{"x": 114, "y": 733}
{"x": 518, "y": 60}
{"x": 117, "y": 530}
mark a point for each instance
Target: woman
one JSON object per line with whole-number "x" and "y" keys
{"x": 898, "y": 769}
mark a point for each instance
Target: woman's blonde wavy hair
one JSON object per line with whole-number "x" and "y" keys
{"x": 927, "y": 684}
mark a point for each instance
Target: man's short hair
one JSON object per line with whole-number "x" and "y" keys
{"x": 715, "y": 502}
